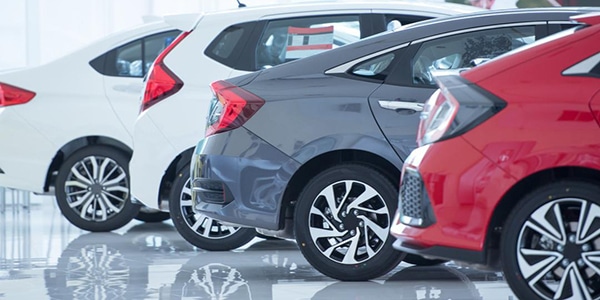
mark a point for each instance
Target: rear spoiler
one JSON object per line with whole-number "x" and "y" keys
{"x": 589, "y": 18}
{"x": 185, "y": 22}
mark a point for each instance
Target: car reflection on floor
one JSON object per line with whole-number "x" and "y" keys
{"x": 152, "y": 261}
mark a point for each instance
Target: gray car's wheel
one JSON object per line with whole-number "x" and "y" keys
{"x": 150, "y": 215}
{"x": 92, "y": 189}
{"x": 342, "y": 222}
{"x": 551, "y": 243}
{"x": 198, "y": 229}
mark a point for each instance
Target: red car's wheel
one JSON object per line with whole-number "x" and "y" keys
{"x": 551, "y": 243}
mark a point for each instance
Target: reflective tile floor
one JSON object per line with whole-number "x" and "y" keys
{"x": 42, "y": 256}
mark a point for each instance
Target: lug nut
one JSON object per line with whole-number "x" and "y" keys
{"x": 586, "y": 247}
{"x": 352, "y": 232}
{"x": 361, "y": 223}
{"x": 580, "y": 262}
{"x": 344, "y": 214}
{"x": 341, "y": 226}
{"x": 565, "y": 262}
{"x": 572, "y": 238}
{"x": 355, "y": 212}
{"x": 560, "y": 248}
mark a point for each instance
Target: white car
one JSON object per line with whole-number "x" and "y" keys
{"x": 66, "y": 126}
{"x": 225, "y": 44}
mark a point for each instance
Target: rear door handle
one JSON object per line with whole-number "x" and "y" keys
{"x": 400, "y": 106}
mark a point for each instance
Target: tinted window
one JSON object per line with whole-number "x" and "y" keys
{"x": 596, "y": 70}
{"x": 394, "y": 21}
{"x": 226, "y": 42}
{"x": 135, "y": 58}
{"x": 374, "y": 68}
{"x": 290, "y": 39}
{"x": 466, "y": 50}
{"x": 129, "y": 60}
{"x": 230, "y": 47}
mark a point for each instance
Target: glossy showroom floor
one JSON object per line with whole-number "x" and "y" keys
{"x": 42, "y": 256}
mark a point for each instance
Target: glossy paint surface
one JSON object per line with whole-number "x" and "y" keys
{"x": 462, "y": 185}
{"x": 179, "y": 121}
{"x": 548, "y": 123}
{"x": 68, "y": 105}
{"x": 42, "y": 256}
{"x": 314, "y": 109}
{"x": 254, "y": 171}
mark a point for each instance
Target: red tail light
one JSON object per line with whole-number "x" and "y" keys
{"x": 231, "y": 107}
{"x": 455, "y": 108}
{"x": 162, "y": 82}
{"x": 12, "y": 95}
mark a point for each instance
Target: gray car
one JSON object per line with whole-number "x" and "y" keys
{"x": 311, "y": 150}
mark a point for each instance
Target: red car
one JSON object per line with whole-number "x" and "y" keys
{"x": 507, "y": 174}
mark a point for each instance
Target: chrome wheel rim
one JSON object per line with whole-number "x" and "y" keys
{"x": 97, "y": 188}
{"x": 558, "y": 250}
{"x": 349, "y": 222}
{"x": 201, "y": 224}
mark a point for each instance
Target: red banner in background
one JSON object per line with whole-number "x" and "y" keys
{"x": 303, "y": 42}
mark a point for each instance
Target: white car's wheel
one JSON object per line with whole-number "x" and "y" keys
{"x": 92, "y": 189}
{"x": 551, "y": 243}
{"x": 342, "y": 223}
{"x": 198, "y": 229}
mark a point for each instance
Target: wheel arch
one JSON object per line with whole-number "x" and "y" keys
{"x": 69, "y": 148}
{"x": 166, "y": 182}
{"x": 326, "y": 160}
{"x": 515, "y": 195}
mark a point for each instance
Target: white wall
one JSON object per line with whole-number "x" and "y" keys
{"x": 36, "y": 31}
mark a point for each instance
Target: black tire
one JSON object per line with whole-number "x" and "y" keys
{"x": 376, "y": 209}
{"x": 421, "y": 261}
{"x": 110, "y": 187}
{"x": 150, "y": 215}
{"x": 550, "y": 236}
{"x": 215, "y": 236}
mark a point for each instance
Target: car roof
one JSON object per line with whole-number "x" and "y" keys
{"x": 540, "y": 13}
{"x": 451, "y": 24}
{"x": 421, "y": 31}
{"x": 431, "y": 8}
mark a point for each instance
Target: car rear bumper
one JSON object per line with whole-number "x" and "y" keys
{"x": 448, "y": 194}
{"x": 152, "y": 155}
{"x": 238, "y": 178}
{"x": 25, "y": 154}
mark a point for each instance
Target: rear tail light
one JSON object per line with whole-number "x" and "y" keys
{"x": 162, "y": 82}
{"x": 455, "y": 108}
{"x": 12, "y": 95}
{"x": 231, "y": 107}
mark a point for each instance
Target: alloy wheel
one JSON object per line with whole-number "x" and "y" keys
{"x": 201, "y": 224}
{"x": 558, "y": 250}
{"x": 349, "y": 222}
{"x": 96, "y": 188}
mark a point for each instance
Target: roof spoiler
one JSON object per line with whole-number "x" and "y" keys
{"x": 183, "y": 22}
{"x": 589, "y": 18}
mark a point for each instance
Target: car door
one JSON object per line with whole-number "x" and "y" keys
{"x": 125, "y": 67}
{"x": 397, "y": 103}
